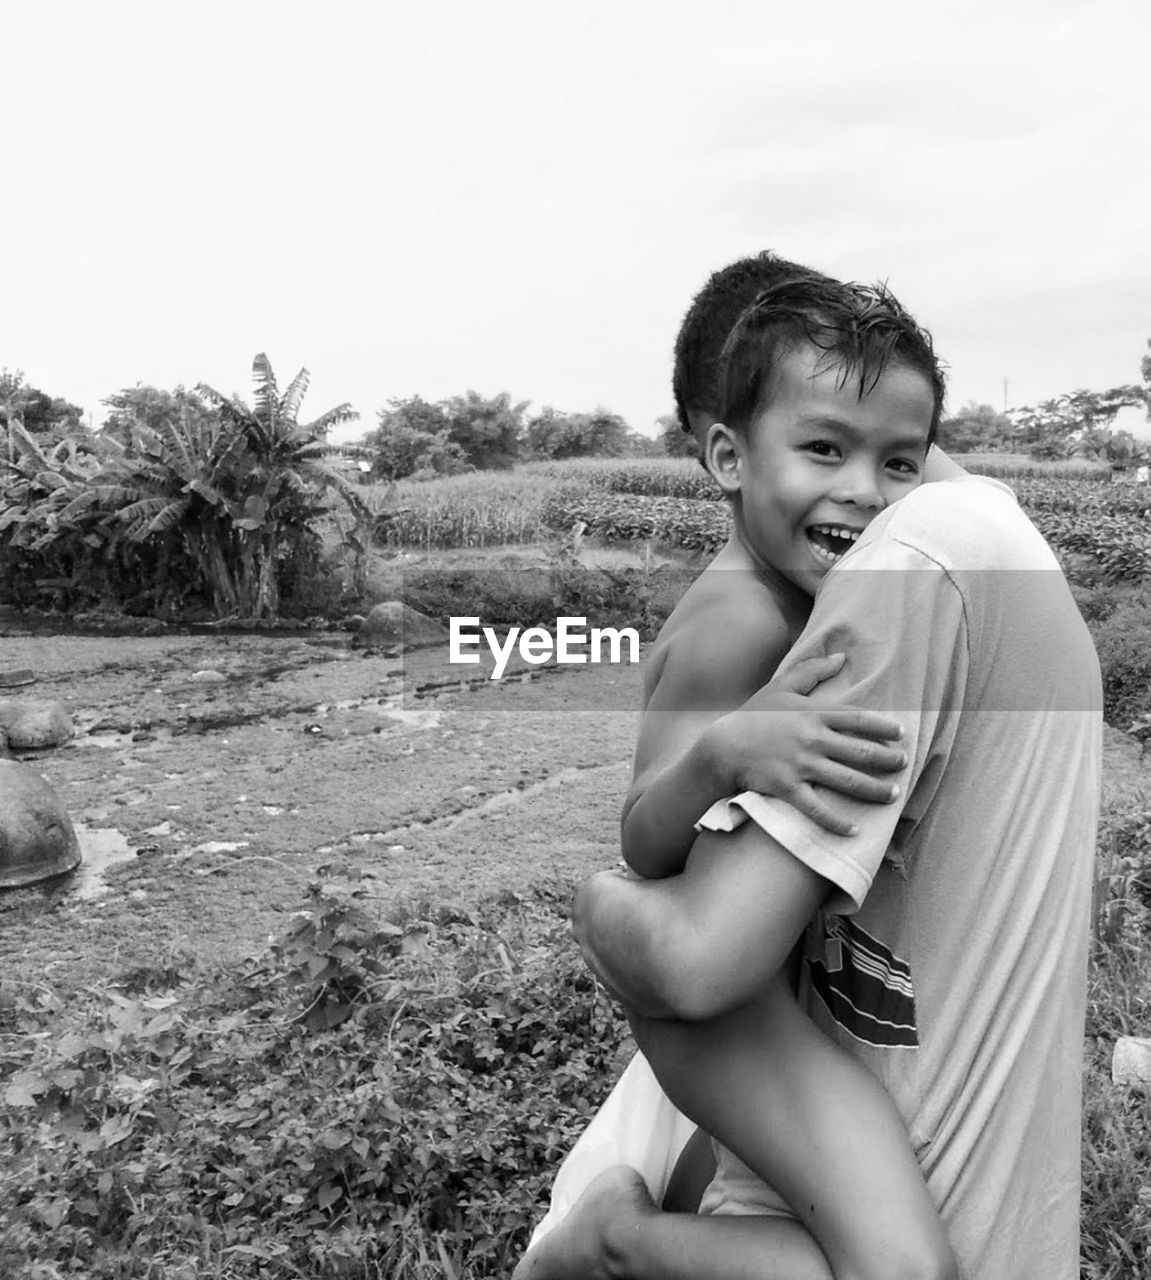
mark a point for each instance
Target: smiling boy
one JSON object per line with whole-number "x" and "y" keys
{"x": 832, "y": 395}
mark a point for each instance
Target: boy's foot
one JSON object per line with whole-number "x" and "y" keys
{"x": 579, "y": 1248}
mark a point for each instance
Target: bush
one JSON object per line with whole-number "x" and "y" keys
{"x": 343, "y": 1106}
{"x": 691, "y": 523}
{"x": 1125, "y": 659}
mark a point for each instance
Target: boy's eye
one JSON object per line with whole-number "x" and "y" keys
{"x": 823, "y": 448}
{"x": 905, "y": 466}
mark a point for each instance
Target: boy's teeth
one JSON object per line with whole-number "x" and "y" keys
{"x": 838, "y": 531}
{"x": 832, "y": 541}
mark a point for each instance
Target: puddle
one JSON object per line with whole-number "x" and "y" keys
{"x": 100, "y": 848}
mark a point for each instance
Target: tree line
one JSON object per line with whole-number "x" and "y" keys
{"x": 420, "y": 439}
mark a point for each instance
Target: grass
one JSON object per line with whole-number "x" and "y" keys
{"x": 525, "y": 505}
{"x": 1005, "y": 466}
{"x": 492, "y": 508}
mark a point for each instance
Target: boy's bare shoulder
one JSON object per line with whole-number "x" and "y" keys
{"x": 727, "y": 634}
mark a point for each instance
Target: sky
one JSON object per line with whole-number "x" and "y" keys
{"x": 524, "y": 197}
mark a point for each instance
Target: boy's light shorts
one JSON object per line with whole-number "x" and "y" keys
{"x": 736, "y": 1191}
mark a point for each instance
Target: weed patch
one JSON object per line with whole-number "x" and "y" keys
{"x": 356, "y": 1102}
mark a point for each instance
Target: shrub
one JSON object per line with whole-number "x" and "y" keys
{"x": 332, "y": 1109}
{"x": 691, "y": 523}
{"x": 1125, "y": 659}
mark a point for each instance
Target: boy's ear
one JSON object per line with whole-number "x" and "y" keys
{"x": 723, "y": 454}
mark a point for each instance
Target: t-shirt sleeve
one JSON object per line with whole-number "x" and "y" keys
{"x": 900, "y": 619}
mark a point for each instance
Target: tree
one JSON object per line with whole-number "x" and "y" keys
{"x": 488, "y": 431}
{"x": 54, "y": 549}
{"x": 150, "y": 407}
{"x": 41, "y": 415}
{"x": 1145, "y": 370}
{"x": 412, "y": 440}
{"x": 638, "y": 445}
{"x": 552, "y": 434}
{"x": 675, "y": 441}
{"x": 251, "y": 489}
{"x": 1069, "y": 423}
{"x": 976, "y": 428}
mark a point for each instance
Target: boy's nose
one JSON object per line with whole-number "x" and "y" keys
{"x": 859, "y": 488}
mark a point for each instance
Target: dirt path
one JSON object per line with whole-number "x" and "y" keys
{"x": 233, "y": 789}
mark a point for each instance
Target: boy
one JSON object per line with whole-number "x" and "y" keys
{"x": 831, "y": 396}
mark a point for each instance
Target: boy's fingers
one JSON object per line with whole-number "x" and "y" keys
{"x": 863, "y": 723}
{"x": 809, "y": 803}
{"x": 859, "y": 786}
{"x": 809, "y": 672}
{"x": 859, "y": 753}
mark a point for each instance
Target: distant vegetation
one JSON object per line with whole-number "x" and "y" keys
{"x": 195, "y": 504}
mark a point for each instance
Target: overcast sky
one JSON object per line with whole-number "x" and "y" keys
{"x": 525, "y": 196}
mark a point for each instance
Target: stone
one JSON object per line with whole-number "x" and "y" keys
{"x": 1131, "y": 1061}
{"x": 207, "y": 677}
{"x": 393, "y": 624}
{"x": 33, "y": 726}
{"x": 37, "y": 839}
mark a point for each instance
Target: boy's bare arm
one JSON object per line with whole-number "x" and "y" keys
{"x": 683, "y": 767}
{"x": 711, "y": 668}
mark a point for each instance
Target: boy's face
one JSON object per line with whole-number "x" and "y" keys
{"x": 819, "y": 463}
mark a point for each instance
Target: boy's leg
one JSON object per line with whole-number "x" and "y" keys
{"x": 814, "y": 1124}
{"x": 615, "y": 1231}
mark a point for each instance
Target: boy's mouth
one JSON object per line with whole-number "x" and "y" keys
{"x": 831, "y": 541}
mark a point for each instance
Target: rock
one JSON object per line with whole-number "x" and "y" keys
{"x": 393, "y": 624}
{"x": 37, "y": 840}
{"x": 1131, "y": 1061}
{"x": 32, "y": 726}
{"x": 207, "y": 677}
{"x": 14, "y": 679}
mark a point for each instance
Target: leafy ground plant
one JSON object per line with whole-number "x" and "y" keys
{"x": 370, "y": 1098}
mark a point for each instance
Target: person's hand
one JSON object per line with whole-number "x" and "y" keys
{"x": 782, "y": 744}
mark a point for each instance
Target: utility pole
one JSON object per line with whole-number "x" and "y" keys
{"x": 1005, "y": 395}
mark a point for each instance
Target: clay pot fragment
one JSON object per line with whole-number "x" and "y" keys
{"x": 37, "y": 839}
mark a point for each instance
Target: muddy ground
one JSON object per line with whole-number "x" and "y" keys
{"x": 221, "y": 773}
{"x": 233, "y": 789}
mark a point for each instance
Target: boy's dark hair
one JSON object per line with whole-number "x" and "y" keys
{"x": 861, "y": 330}
{"x": 710, "y": 318}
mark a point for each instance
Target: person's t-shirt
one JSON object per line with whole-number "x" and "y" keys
{"x": 952, "y": 955}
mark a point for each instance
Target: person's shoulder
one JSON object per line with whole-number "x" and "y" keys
{"x": 972, "y": 522}
{"x": 957, "y": 497}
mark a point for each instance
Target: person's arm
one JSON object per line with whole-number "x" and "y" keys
{"x": 681, "y": 770}
{"x": 654, "y": 943}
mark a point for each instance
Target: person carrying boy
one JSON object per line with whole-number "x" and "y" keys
{"x": 952, "y": 949}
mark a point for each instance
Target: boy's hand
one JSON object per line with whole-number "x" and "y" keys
{"x": 781, "y": 744}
